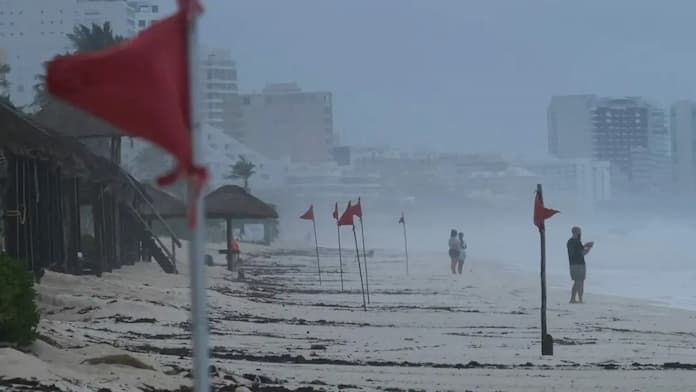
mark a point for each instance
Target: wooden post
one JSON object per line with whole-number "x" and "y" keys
{"x": 546, "y": 339}
{"x": 229, "y": 236}
{"x": 357, "y": 254}
{"x": 316, "y": 246}
{"x": 367, "y": 281}
{"x": 98, "y": 218}
{"x": 340, "y": 256}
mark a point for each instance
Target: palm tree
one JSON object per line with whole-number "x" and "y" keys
{"x": 243, "y": 169}
{"x": 4, "y": 84}
{"x": 83, "y": 39}
{"x": 89, "y": 39}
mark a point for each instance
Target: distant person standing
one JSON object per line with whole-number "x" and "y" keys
{"x": 455, "y": 248}
{"x": 462, "y": 253}
{"x": 576, "y": 257}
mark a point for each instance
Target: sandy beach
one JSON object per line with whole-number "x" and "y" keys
{"x": 279, "y": 330}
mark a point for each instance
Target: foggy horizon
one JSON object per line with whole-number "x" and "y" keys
{"x": 477, "y": 73}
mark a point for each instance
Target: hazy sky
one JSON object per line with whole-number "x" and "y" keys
{"x": 472, "y": 76}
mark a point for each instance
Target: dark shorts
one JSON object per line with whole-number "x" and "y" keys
{"x": 577, "y": 271}
{"x": 454, "y": 254}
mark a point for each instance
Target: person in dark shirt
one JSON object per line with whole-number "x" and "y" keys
{"x": 576, "y": 257}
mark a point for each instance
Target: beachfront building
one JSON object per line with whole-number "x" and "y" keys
{"x": 32, "y": 32}
{"x": 577, "y": 184}
{"x": 285, "y": 122}
{"x": 683, "y": 137}
{"x": 220, "y": 105}
{"x": 569, "y": 121}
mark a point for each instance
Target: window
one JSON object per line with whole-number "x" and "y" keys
{"x": 247, "y": 100}
{"x": 141, "y": 23}
{"x": 155, "y": 8}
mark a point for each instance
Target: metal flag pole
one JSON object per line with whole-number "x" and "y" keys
{"x": 340, "y": 257}
{"x": 199, "y": 315}
{"x": 357, "y": 253}
{"x": 403, "y": 222}
{"x": 316, "y": 245}
{"x": 367, "y": 281}
{"x": 546, "y": 339}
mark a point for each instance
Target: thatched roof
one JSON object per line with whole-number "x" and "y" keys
{"x": 22, "y": 136}
{"x": 166, "y": 204}
{"x": 231, "y": 201}
{"x": 68, "y": 120}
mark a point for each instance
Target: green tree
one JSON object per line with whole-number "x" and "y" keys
{"x": 19, "y": 314}
{"x": 83, "y": 39}
{"x": 243, "y": 169}
{"x": 4, "y": 84}
{"x": 90, "y": 39}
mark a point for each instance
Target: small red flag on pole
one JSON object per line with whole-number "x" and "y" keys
{"x": 402, "y": 221}
{"x": 309, "y": 215}
{"x": 542, "y": 213}
{"x": 340, "y": 251}
{"x": 357, "y": 211}
{"x": 147, "y": 87}
{"x": 346, "y": 218}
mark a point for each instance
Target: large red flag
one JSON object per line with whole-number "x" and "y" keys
{"x": 357, "y": 209}
{"x": 309, "y": 215}
{"x": 335, "y": 211}
{"x": 141, "y": 86}
{"x": 347, "y": 217}
{"x": 541, "y": 213}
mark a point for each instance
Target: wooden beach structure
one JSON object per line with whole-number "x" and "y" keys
{"x": 65, "y": 206}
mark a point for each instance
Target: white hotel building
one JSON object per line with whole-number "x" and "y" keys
{"x": 34, "y": 31}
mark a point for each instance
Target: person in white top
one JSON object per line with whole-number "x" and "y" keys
{"x": 455, "y": 248}
{"x": 462, "y": 253}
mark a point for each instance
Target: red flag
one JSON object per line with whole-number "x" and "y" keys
{"x": 347, "y": 217}
{"x": 357, "y": 209}
{"x": 309, "y": 215}
{"x": 335, "y": 211}
{"x": 140, "y": 86}
{"x": 401, "y": 220}
{"x": 541, "y": 213}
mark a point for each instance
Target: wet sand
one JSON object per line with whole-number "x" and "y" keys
{"x": 279, "y": 330}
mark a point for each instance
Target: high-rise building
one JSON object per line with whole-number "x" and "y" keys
{"x": 569, "y": 120}
{"x": 628, "y": 128}
{"x": 683, "y": 136}
{"x": 32, "y": 32}
{"x": 284, "y": 122}
{"x": 143, "y": 13}
{"x": 220, "y": 106}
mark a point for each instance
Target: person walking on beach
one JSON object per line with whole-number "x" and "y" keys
{"x": 462, "y": 253}
{"x": 576, "y": 257}
{"x": 455, "y": 248}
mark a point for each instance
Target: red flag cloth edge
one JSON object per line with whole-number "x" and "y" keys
{"x": 541, "y": 213}
{"x": 357, "y": 209}
{"x": 140, "y": 86}
{"x": 335, "y": 211}
{"x": 347, "y": 217}
{"x": 309, "y": 215}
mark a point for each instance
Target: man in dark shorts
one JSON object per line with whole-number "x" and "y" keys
{"x": 576, "y": 257}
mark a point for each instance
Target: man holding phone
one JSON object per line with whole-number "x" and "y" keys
{"x": 576, "y": 257}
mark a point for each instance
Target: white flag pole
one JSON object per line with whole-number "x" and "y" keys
{"x": 199, "y": 307}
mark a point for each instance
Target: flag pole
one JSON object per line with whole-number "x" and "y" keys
{"x": 403, "y": 222}
{"x": 340, "y": 256}
{"x": 546, "y": 339}
{"x": 357, "y": 253}
{"x": 367, "y": 281}
{"x": 316, "y": 245}
{"x": 199, "y": 316}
